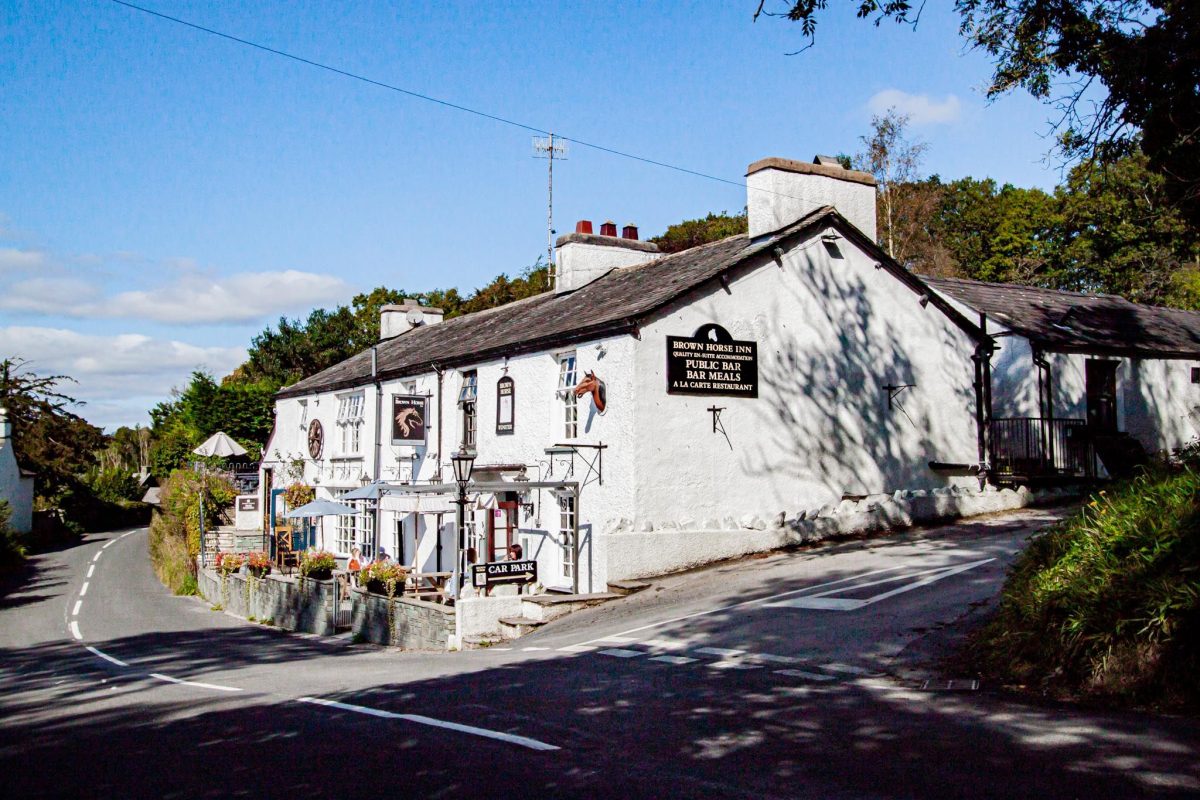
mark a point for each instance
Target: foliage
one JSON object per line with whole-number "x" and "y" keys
{"x": 1107, "y": 603}
{"x": 383, "y": 577}
{"x": 169, "y": 554}
{"x": 318, "y": 564}
{"x": 259, "y": 560}
{"x": 895, "y": 161}
{"x": 12, "y": 552}
{"x": 1121, "y": 73}
{"x": 695, "y": 232}
{"x": 182, "y": 495}
{"x": 47, "y": 436}
{"x": 299, "y": 494}
{"x": 244, "y": 410}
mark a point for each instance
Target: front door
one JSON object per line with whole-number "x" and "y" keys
{"x": 1101, "y": 389}
{"x": 502, "y": 530}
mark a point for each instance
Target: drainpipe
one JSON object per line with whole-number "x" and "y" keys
{"x": 439, "y": 372}
{"x": 1046, "y": 403}
{"x": 376, "y": 472}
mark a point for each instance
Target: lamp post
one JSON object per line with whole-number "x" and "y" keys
{"x": 463, "y": 463}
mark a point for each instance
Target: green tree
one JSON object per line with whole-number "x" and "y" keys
{"x": 694, "y": 232}
{"x": 895, "y": 161}
{"x": 1121, "y": 73}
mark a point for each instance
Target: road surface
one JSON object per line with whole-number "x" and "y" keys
{"x": 802, "y": 674}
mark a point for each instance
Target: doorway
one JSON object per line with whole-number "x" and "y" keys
{"x": 1101, "y": 390}
{"x": 502, "y": 530}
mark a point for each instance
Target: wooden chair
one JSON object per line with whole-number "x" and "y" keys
{"x": 286, "y": 558}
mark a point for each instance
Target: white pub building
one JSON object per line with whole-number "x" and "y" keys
{"x": 705, "y": 400}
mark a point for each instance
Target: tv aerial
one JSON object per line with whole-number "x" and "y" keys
{"x": 550, "y": 148}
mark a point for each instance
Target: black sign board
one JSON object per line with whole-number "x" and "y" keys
{"x": 712, "y": 362}
{"x": 498, "y": 572}
{"x": 408, "y": 419}
{"x": 247, "y": 504}
{"x": 506, "y": 399}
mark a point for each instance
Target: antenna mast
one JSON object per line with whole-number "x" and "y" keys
{"x": 549, "y": 148}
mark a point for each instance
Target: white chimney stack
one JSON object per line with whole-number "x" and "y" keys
{"x": 780, "y": 191}
{"x": 397, "y": 319}
{"x": 584, "y": 256}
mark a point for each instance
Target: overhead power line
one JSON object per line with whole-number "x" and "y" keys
{"x": 419, "y": 96}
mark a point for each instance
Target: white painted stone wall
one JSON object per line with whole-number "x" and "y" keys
{"x": 832, "y": 330}
{"x": 14, "y": 488}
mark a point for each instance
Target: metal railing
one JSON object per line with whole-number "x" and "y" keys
{"x": 1034, "y": 447}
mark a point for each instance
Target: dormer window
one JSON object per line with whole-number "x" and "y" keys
{"x": 350, "y": 423}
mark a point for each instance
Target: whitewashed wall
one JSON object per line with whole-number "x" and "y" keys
{"x": 831, "y": 332}
{"x": 14, "y": 488}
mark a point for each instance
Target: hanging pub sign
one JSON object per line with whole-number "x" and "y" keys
{"x": 494, "y": 573}
{"x": 712, "y": 362}
{"x": 408, "y": 419}
{"x": 505, "y": 406}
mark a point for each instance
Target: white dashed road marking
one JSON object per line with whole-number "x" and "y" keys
{"x": 197, "y": 684}
{"x": 75, "y": 611}
{"x": 799, "y": 673}
{"x": 848, "y": 669}
{"x": 677, "y": 660}
{"x": 523, "y": 741}
{"x": 108, "y": 658}
{"x": 719, "y": 651}
{"x": 96, "y": 557}
{"x": 83, "y": 589}
{"x": 619, "y": 653}
{"x": 75, "y": 630}
{"x": 733, "y": 665}
{"x": 91, "y": 569}
{"x": 577, "y": 648}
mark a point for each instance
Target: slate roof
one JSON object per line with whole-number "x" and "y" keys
{"x": 614, "y": 303}
{"x": 1074, "y": 322}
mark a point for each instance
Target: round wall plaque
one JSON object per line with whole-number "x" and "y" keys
{"x": 316, "y": 439}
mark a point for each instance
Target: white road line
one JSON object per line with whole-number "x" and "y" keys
{"x": 822, "y": 601}
{"x": 123, "y": 535}
{"x": 848, "y": 669}
{"x": 96, "y": 557}
{"x": 623, "y": 636}
{"x": 533, "y": 649}
{"x": 91, "y": 569}
{"x": 773, "y": 658}
{"x": 799, "y": 673}
{"x": 197, "y": 684}
{"x": 733, "y": 665}
{"x": 75, "y": 630}
{"x": 107, "y": 657}
{"x": 108, "y": 544}
{"x": 677, "y": 660}
{"x": 75, "y": 611}
{"x": 83, "y": 589}
{"x": 664, "y": 644}
{"x": 577, "y": 648}
{"x": 617, "y": 652}
{"x": 719, "y": 651}
{"x": 523, "y": 741}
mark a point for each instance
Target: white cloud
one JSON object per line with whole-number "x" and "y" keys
{"x": 189, "y": 299}
{"x": 920, "y": 108}
{"x": 119, "y": 377}
{"x": 14, "y": 260}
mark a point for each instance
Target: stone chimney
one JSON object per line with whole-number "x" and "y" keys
{"x": 780, "y": 191}
{"x": 584, "y": 256}
{"x": 397, "y": 319}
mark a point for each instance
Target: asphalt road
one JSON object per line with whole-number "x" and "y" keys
{"x": 803, "y": 674}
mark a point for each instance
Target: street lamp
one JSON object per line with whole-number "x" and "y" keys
{"x": 463, "y": 463}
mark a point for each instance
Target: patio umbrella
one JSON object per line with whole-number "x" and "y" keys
{"x": 220, "y": 444}
{"x": 320, "y": 508}
{"x": 372, "y": 491}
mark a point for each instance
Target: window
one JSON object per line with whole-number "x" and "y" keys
{"x": 567, "y": 378}
{"x": 366, "y": 529}
{"x": 345, "y": 540}
{"x": 350, "y": 423}
{"x": 467, "y": 401}
{"x": 566, "y": 533}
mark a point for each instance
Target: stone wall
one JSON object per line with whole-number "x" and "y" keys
{"x": 402, "y": 622}
{"x": 289, "y": 603}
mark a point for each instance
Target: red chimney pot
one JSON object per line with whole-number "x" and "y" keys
{"x": 629, "y": 231}
{"x": 608, "y": 228}
{"x": 583, "y": 226}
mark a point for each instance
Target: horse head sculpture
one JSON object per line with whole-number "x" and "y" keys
{"x": 596, "y": 387}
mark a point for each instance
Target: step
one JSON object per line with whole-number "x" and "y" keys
{"x": 514, "y": 627}
{"x": 627, "y": 587}
{"x": 545, "y": 607}
{"x": 481, "y": 642}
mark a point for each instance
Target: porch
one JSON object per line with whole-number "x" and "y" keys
{"x": 1040, "y": 451}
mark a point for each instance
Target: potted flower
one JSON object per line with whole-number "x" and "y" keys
{"x": 259, "y": 563}
{"x": 299, "y": 494}
{"x": 381, "y": 577}
{"x": 229, "y": 563}
{"x": 318, "y": 565}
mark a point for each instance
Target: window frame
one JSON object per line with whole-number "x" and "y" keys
{"x": 568, "y": 379}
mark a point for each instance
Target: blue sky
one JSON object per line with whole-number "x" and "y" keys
{"x": 165, "y": 195}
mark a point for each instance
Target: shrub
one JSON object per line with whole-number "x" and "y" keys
{"x": 175, "y": 529}
{"x": 1107, "y": 602}
{"x": 12, "y": 552}
{"x": 318, "y": 564}
{"x": 382, "y": 577}
{"x": 299, "y": 494}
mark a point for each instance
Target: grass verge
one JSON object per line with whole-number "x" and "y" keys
{"x": 1106, "y": 604}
